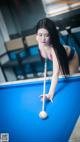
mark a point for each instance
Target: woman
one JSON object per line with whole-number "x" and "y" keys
{"x": 65, "y": 60}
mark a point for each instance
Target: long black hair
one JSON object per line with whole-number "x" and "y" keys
{"x": 60, "y": 52}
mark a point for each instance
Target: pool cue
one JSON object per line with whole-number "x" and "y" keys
{"x": 44, "y": 85}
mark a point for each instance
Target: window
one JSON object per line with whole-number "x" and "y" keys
{"x": 56, "y": 7}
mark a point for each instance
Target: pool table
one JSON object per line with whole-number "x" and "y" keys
{"x": 20, "y": 105}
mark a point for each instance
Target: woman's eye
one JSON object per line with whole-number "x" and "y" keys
{"x": 40, "y": 34}
{"x": 47, "y": 35}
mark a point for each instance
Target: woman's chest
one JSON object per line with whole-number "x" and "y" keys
{"x": 46, "y": 53}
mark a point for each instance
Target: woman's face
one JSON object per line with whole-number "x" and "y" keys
{"x": 43, "y": 37}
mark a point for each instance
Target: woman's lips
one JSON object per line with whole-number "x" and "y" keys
{"x": 43, "y": 42}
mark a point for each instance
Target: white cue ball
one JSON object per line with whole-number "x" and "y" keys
{"x": 43, "y": 115}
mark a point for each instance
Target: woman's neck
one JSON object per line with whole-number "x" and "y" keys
{"x": 44, "y": 47}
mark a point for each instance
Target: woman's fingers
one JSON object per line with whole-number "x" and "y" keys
{"x": 42, "y": 95}
{"x": 45, "y": 96}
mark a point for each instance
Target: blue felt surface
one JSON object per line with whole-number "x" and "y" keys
{"x": 20, "y": 105}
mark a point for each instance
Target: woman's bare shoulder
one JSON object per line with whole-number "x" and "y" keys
{"x": 53, "y": 52}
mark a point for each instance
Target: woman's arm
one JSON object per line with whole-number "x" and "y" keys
{"x": 54, "y": 76}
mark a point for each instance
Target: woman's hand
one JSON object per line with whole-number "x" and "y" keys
{"x": 46, "y": 97}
